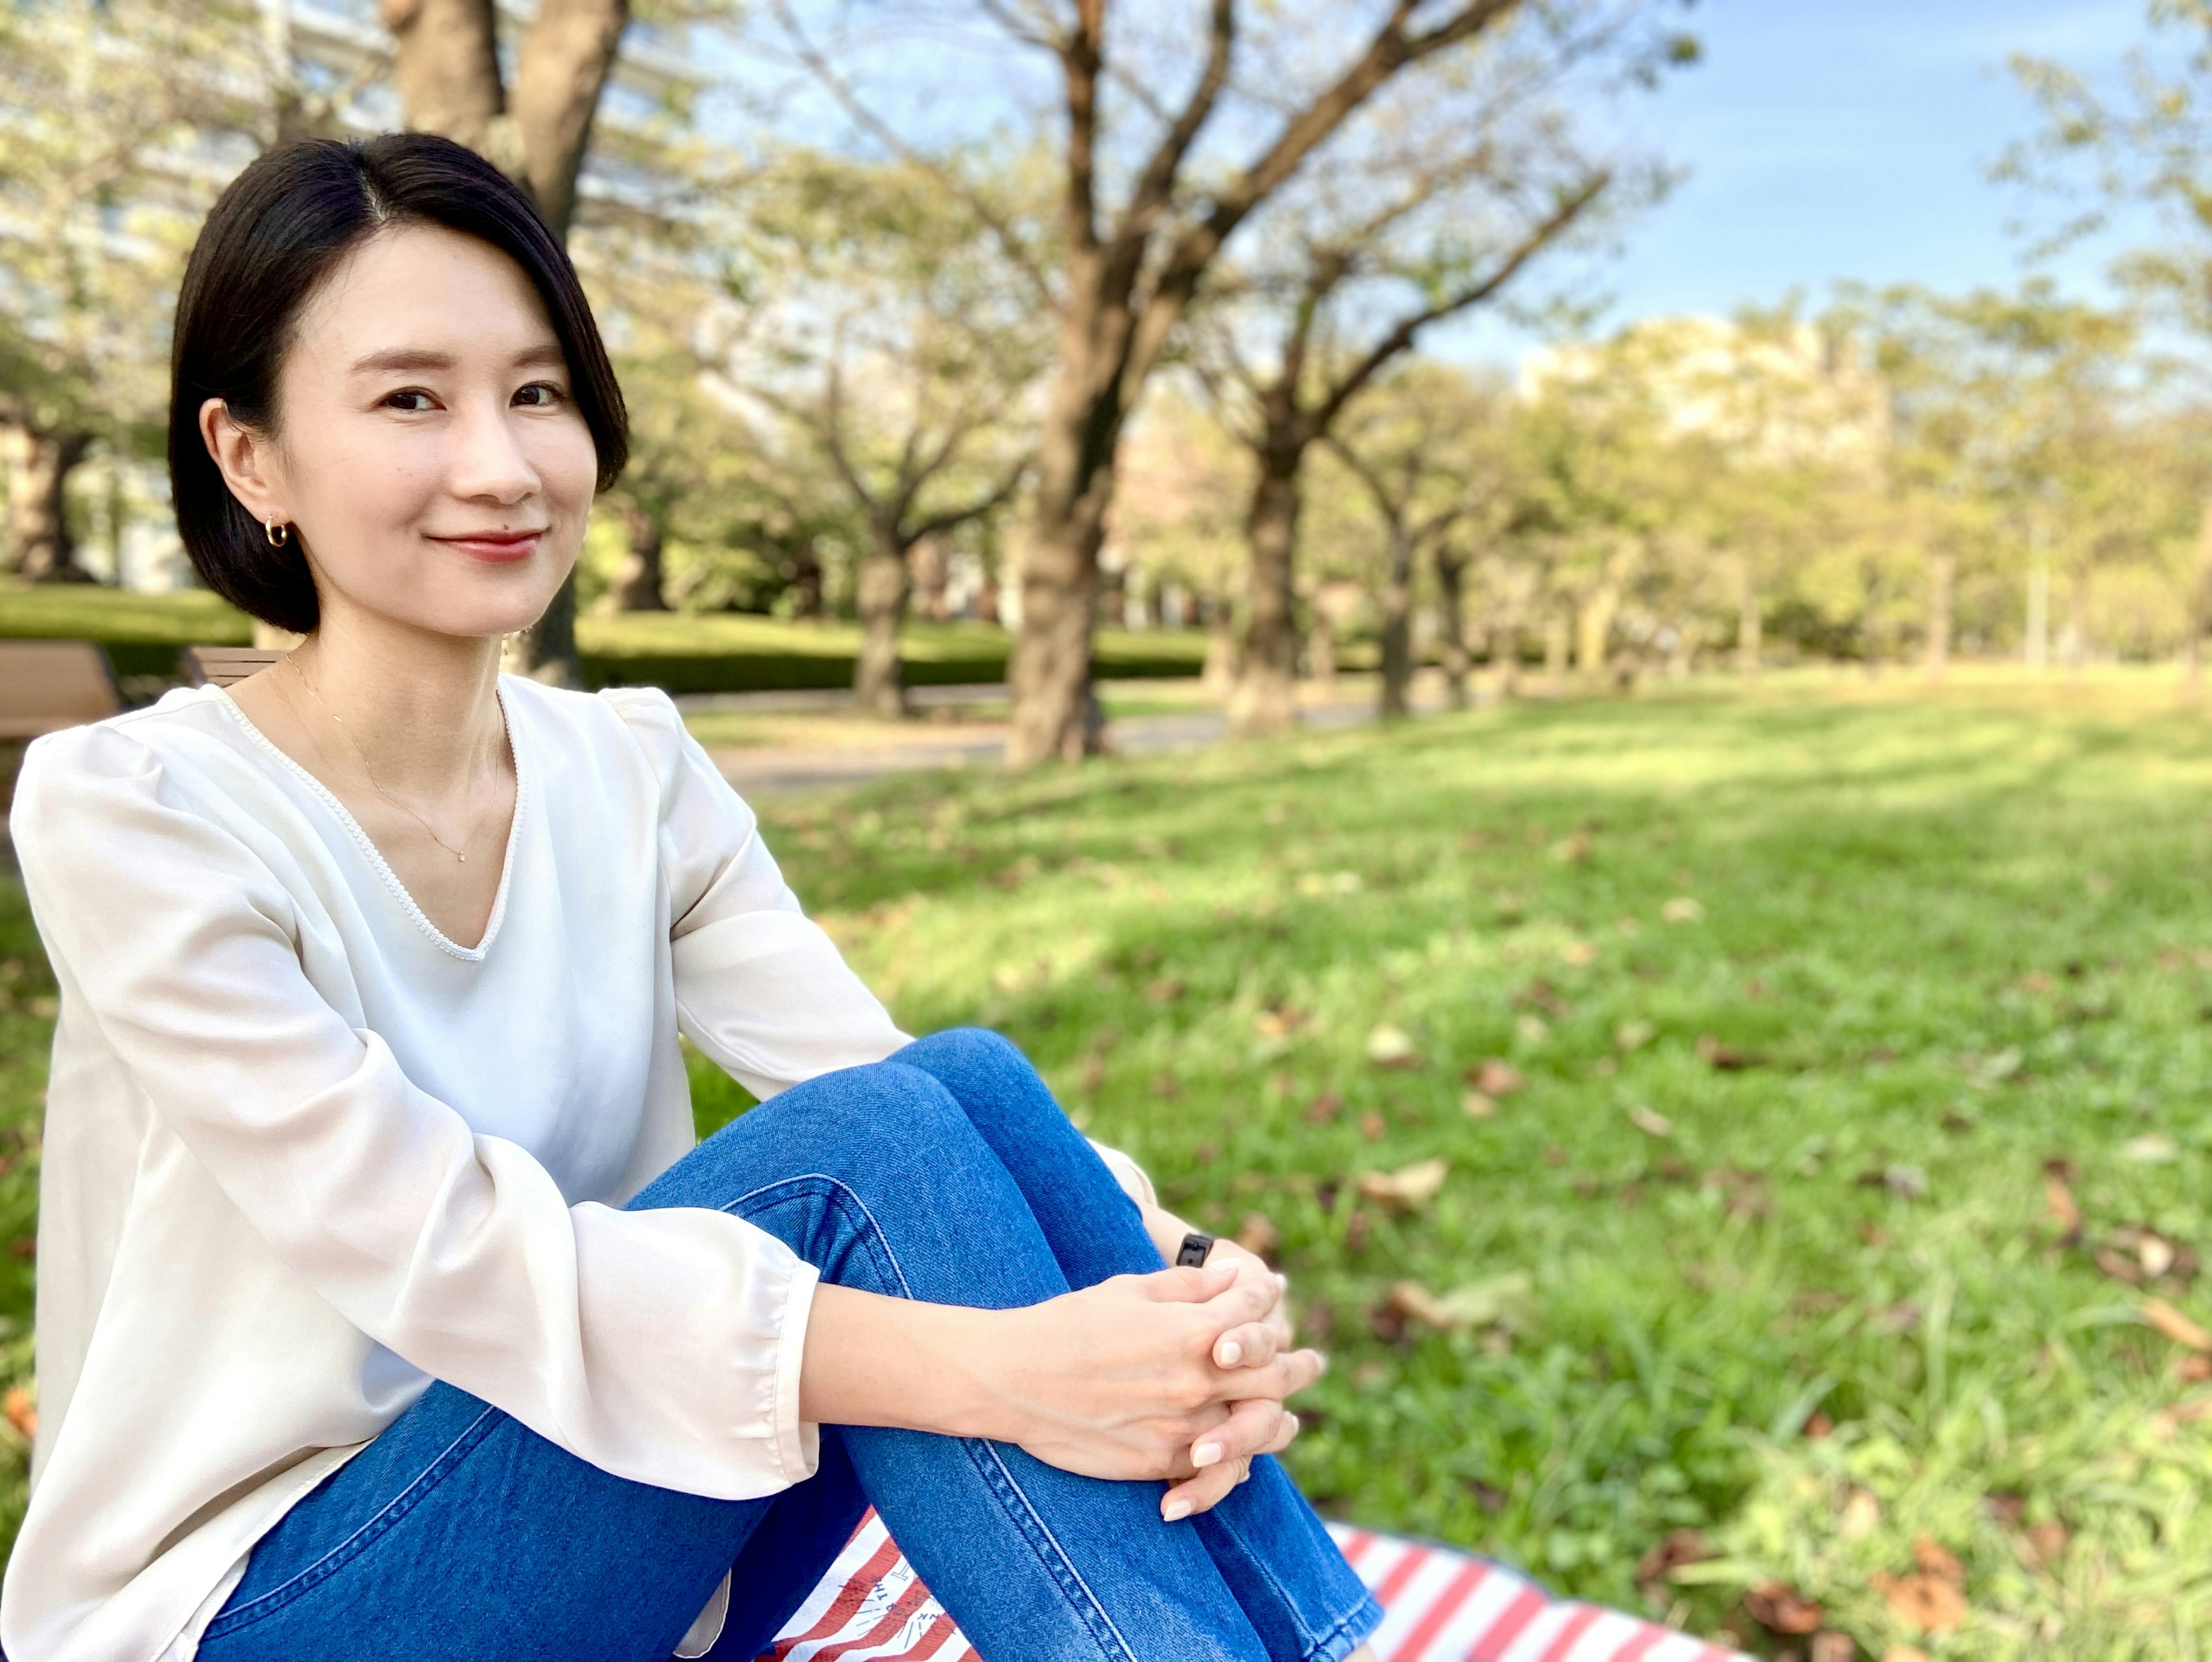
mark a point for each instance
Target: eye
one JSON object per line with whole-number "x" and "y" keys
{"x": 398, "y": 400}
{"x": 538, "y": 395}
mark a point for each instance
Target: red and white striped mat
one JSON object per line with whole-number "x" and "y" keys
{"x": 1438, "y": 1606}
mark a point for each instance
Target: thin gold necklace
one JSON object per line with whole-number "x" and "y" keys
{"x": 362, "y": 756}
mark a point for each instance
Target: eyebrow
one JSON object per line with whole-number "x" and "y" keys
{"x": 402, "y": 359}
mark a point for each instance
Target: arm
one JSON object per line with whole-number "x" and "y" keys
{"x": 650, "y": 1343}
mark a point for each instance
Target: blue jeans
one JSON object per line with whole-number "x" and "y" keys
{"x": 947, "y": 1174}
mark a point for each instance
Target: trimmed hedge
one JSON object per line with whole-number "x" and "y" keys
{"x": 725, "y": 651}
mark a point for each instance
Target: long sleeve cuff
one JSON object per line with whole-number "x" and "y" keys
{"x": 797, "y": 1442}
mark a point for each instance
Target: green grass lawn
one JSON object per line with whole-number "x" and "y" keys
{"x": 1818, "y": 1005}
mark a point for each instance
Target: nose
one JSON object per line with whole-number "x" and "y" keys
{"x": 489, "y": 462}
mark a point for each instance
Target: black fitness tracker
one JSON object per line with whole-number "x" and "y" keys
{"x": 1195, "y": 1246}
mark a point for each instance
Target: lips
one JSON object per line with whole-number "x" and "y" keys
{"x": 494, "y": 547}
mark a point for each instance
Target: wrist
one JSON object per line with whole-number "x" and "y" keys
{"x": 1166, "y": 1231}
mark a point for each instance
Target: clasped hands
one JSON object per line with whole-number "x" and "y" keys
{"x": 1178, "y": 1375}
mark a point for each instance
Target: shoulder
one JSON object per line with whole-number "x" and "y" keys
{"x": 187, "y": 727}
{"x": 90, "y": 796}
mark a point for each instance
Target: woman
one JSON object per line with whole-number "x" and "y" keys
{"x": 385, "y": 1309}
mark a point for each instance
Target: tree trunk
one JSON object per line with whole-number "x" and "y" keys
{"x": 445, "y": 60}
{"x": 1451, "y": 573}
{"x": 2199, "y": 607}
{"x": 1320, "y": 654}
{"x": 1594, "y": 626}
{"x": 929, "y": 569}
{"x": 1218, "y": 676}
{"x": 1750, "y": 622}
{"x": 566, "y": 54}
{"x": 638, "y": 585}
{"x": 1557, "y": 631}
{"x": 2036, "y": 648}
{"x": 39, "y": 546}
{"x": 1943, "y": 580}
{"x": 2074, "y": 635}
{"x": 1055, "y": 712}
{"x": 880, "y": 593}
{"x": 1397, "y": 628}
{"x": 1265, "y": 699}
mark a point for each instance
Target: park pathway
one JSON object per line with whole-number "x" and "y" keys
{"x": 762, "y": 772}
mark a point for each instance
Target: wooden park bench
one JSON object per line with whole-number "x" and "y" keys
{"x": 47, "y": 685}
{"x": 224, "y": 666}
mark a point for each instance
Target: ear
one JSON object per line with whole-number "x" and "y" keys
{"x": 248, "y": 460}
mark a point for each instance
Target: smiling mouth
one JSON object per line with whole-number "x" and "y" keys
{"x": 494, "y": 547}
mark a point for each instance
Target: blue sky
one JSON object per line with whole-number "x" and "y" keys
{"x": 1828, "y": 139}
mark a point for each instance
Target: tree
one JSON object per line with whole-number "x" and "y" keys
{"x": 1173, "y": 131}
{"x": 2144, "y": 143}
{"x": 100, "y": 194}
{"x": 1428, "y": 447}
{"x": 885, "y": 333}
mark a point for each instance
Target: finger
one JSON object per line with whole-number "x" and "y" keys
{"x": 1191, "y": 1284}
{"x": 1252, "y": 1345}
{"x": 1248, "y": 1298}
{"x": 1250, "y": 1427}
{"x": 1284, "y": 1435}
{"x": 1288, "y": 1375}
{"x": 1201, "y": 1494}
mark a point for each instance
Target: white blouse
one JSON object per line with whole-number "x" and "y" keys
{"x": 303, "y": 1153}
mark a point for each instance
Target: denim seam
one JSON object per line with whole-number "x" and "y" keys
{"x": 309, "y": 1576}
{"x": 996, "y": 1475}
{"x": 1366, "y": 1605}
{"x": 1298, "y": 1616}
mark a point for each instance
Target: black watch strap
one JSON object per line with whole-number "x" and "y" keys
{"x": 1195, "y": 1246}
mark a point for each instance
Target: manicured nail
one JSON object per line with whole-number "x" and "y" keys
{"x": 1231, "y": 1353}
{"x": 1204, "y": 1455}
{"x": 1175, "y": 1512}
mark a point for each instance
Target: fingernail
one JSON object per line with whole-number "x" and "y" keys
{"x": 1175, "y": 1512}
{"x": 1205, "y": 1454}
{"x": 1231, "y": 1353}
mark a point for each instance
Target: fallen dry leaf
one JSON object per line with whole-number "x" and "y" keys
{"x": 1920, "y": 1600}
{"x": 1862, "y": 1514}
{"x": 20, "y": 1411}
{"x": 1372, "y": 1126}
{"x": 1681, "y": 909}
{"x": 1780, "y": 1608}
{"x": 1650, "y": 1124}
{"x": 1578, "y": 954}
{"x": 2162, "y": 1315}
{"x": 2058, "y": 1197}
{"x": 1832, "y": 1648}
{"x": 2045, "y": 1543}
{"x": 1727, "y": 1057}
{"x": 1259, "y": 1236}
{"x": 1408, "y": 1186}
{"x": 1165, "y": 990}
{"x": 1496, "y": 1077}
{"x": 1279, "y": 1021}
{"x": 1166, "y": 1085}
{"x": 1390, "y": 1046}
{"x": 1934, "y": 1558}
{"x": 1818, "y": 1425}
{"x": 1634, "y": 1035}
{"x": 1324, "y": 1108}
{"x": 1495, "y": 1301}
{"x": 1905, "y": 1653}
{"x": 1674, "y": 1550}
{"x": 1478, "y": 1105}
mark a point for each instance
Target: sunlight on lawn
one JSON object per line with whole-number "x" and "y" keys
{"x": 1766, "y": 1044}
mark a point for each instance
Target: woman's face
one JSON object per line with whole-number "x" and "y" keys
{"x": 429, "y": 456}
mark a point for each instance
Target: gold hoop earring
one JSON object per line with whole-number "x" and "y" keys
{"x": 276, "y": 531}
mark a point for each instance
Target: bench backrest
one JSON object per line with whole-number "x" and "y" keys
{"x": 222, "y": 666}
{"x": 47, "y": 685}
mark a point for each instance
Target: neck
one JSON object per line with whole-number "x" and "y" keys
{"x": 421, "y": 708}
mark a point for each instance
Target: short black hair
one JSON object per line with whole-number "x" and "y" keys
{"x": 270, "y": 239}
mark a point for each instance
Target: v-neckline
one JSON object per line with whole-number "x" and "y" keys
{"x": 366, "y": 844}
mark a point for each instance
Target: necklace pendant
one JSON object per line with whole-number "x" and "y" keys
{"x": 463, "y": 858}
